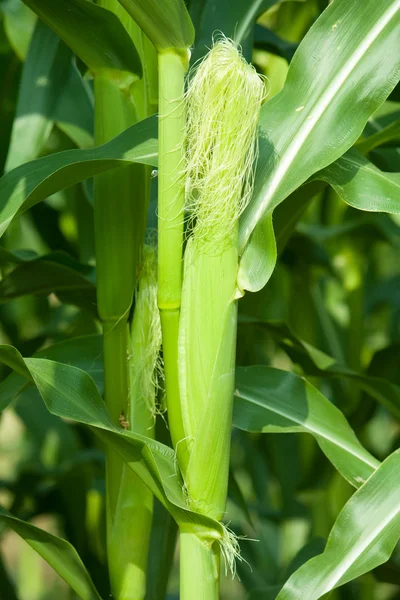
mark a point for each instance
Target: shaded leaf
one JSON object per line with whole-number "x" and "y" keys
{"x": 28, "y": 184}
{"x": 57, "y": 552}
{"x": 363, "y": 537}
{"x": 275, "y": 401}
{"x": 95, "y": 34}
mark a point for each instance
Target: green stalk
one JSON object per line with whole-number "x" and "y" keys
{"x": 121, "y": 200}
{"x": 199, "y": 568}
{"x": 172, "y": 69}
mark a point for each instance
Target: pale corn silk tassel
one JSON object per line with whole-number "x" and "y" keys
{"x": 224, "y": 97}
{"x": 147, "y": 367}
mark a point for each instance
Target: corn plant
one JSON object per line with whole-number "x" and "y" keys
{"x": 200, "y": 217}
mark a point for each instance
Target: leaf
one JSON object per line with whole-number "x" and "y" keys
{"x": 258, "y": 262}
{"x": 57, "y": 552}
{"x": 362, "y": 185}
{"x": 363, "y": 537}
{"x": 86, "y": 353}
{"x": 94, "y": 34}
{"x": 321, "y": 112}
{"x": 74, "y": 112}
{"x": 19, "y": 24}
{"x": 269, "y": 41}
{"x": 274, "y": 401}
{"x": 28, "y": 184}
{"x": 55, "y": 272}
{"x": 43, "y": 78}
{"x": 167, "y": 25}
{"x": 234, "y": 18}
{"x": 389, "y": 135}
{"x": 70, "y": 393}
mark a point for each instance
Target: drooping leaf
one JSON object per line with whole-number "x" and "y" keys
{"x": 320, "y": 113}
{"x": 362, "y": 185}
{"x": 363, "y": 537}
{"x": 94, "y": 34}
{"x": 71, "y": 393}
{"x": 85, "y": 353}
{"x": 166, "y": 24}
{"x": 274, "y": 401}
{"x": 57, "y": 552}
{"x": 28, "y": 184}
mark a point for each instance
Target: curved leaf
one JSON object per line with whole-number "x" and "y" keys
{"x": 55, "y": 272}
{"x": 166, "y": 24}
{"x": 94, "y": 34}
{"x": 275, "y": 401}
{"x": 314, "y": 362}
{"x": 19, "y": 24}
{"x": 321, "y": 112}
{"x": 70, "y": 393}
{"x": 362, "y": 185}
{"x": 363, "y": 537}
{"x": 28, "y": 184}
{"x": 57, "y": 552}
{"x": 86, "y": 353}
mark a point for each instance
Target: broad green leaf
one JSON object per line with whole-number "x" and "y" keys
{"x": 57, "y": 552}
{"x": 19, "y": 24}
{"x": 45, "y": 71}
{"x": 28, "y": 184}
{"x": 71, "y": 393}
{"x": 55, "y": 272}
{"x": 317, "y": 363}
{"x": 274, "y": 401}
{"x": 85, "y": 353}
{"x": 362, "y": 185}
{"x": 166, "y": 24}
{"x": 94, "y": 34}
{"x": 321, "y": 112}
{"x": 258, "y": 262}
{"x": 363, "y": 537}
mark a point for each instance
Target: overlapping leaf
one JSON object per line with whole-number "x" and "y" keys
{"x": 57, "y": 552}
{"x": 321, "y": 112}
{"x": 363, "y": 537}
{"x": 28, "y": 184}
{"x": 274, "y": 401}
{"x": 94, "y": 34}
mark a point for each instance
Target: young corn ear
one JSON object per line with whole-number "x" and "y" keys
{"x": 223, "y": 101}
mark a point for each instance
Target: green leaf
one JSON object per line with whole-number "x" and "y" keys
{"x": 56, "y": 272}
{"x": 166, "y": 24}
{"x": 275, "y": 401}
{"x": 57, "y": 552}
{"x": 71, "y": 393}
{"x": 74, "y": 113}
{"x": 321, "y": 112}
{"x": 363, "y": 537}
{"x": 362, "y": 185}
{"x": 86, "y": 353}
{"x": 314, "y": 362}
{"x": 28, "y": 184}
{"x": 387, "y": 136}
{"x": 234, "y": 18}
{"x": 43, "y": 77}
{"x": 19, "y": 24}
{"x": 94, "y": 34}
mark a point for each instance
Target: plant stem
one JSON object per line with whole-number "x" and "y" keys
{"x": 199, "y": 568}
{"x": 171, "y": 194}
